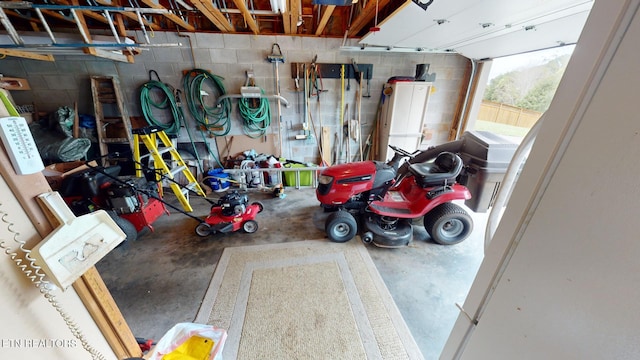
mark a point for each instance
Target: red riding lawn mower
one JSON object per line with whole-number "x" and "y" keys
{"x": 385, "y": 197}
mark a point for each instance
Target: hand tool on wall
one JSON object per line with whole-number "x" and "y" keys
{"x": 356, "y": 71}
{"x": 340, "y": 132}
{"x": 368, "y": 95}
{"x": 275, "y": 58}
{"x": 359, "y": 117}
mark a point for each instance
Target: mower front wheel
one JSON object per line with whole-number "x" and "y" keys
{"x": 250, "y": 226}
{"x": 341, "y": 226}
{"x": 203, "y": 229}
{"x": 448, "y": 224}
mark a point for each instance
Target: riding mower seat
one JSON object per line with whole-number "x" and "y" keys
{"x": 442, "y": 171}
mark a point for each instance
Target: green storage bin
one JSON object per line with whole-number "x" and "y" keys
{"x": 290, "y": 176}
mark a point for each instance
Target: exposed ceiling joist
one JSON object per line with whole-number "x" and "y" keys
{"x": 214, "y": 15}
{"x": 27, "y": 55}
{"x": 294, "y": 13}
{"x": 286, "y": 18}
{"x": 325, "y": 19}
{"x": 58, "y": 16}
{"x": 368, "y": 14}
{"x": 90, "y": 14}
{"x": 478, "y": 30}
{"x": 131, "y": 15}
{"x": 171, "y": 16}
{"x": 240, "y": 4}
{"x": 84, "y": 30}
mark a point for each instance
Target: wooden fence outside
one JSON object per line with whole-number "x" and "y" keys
{"x": 507, "y": 114}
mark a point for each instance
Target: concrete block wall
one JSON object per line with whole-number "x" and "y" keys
{"x": 66, "y": 80}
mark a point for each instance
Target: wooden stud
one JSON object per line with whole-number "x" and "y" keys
{"x": 326, "y": 145}
{"x": 173, "y": 17}
{"x": 368, "y": 13}
{"x": 214, "y": 15}
{"x": 104, "y": 310}
{"x": 325, "y": 19}
{"x": 294, "y": 12}
{"x": 240, "y": 4}
{"x": 92, "y": 290}
{"x": 286, "y": 18}
{"x": 131, "y": 15}
{"x": 27, "y": 55}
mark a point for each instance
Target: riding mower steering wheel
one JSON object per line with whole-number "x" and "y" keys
{"x": 404, "y": 152}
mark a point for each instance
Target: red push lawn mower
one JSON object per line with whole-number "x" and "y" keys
{"x": 134, "y": 203}
{"x": 385, "y": 199}
{"x": 230, "y": 214}
{"x": 131, "y": 202}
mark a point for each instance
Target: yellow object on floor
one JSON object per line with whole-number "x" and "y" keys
{"x": 195, "y": 348}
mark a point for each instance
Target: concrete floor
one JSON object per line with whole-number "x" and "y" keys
{"x": 161, "y": 278}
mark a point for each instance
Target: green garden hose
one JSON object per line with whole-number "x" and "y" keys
{"x": 256, "y": 120}
{"x": 165, "y": 101}
{"x": 214, "y": 119}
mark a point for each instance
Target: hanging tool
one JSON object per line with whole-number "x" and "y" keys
{"x": 305, "y": 103}
{"x": 368, "y": 95}
{"x": 342, "y": 74}
{"x": 297, "y": 84}
{"x": 359, "y": 116}
{"x": 347, "y": 134}
{"x": 356, "y": 71}
{"x": 275, "y": 58}
{"x": 315, "y": 78}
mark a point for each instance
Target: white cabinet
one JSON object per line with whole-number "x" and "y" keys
{"x": 402, "y": 116}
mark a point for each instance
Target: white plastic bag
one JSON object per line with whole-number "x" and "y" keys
{"x": 183, "y": 332}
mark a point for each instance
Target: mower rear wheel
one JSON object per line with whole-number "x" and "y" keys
{"x": 448, "y": 224}
{"x": 259, "y": 204}
{"x": 203, "y": 229}
{"x": 126, "y": 226}
{"x": 250, "y": 226}
{"x": 341, "y": 226}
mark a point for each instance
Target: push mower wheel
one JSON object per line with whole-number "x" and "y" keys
{"x": 448, "y": 224}
{"x": 259, "y": 204}
{"x": 341, "y": 226}
{"x": 203, "y": 229}
{"x": 250, "y": 226}
{"x": 126, "y": 226}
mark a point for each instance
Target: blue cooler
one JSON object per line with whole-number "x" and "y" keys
{"x": 218, "y": 180}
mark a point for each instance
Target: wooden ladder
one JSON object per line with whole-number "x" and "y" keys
{"x": 112, "y": 119}
{"x": 150, "y": 136}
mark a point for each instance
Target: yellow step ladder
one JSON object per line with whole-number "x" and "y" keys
{"x": 149, "y": 136}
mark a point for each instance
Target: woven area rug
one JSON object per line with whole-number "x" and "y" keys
{"x": 305, "y": 300}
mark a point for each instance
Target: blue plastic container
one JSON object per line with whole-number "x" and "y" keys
{"x": 218, "y": 180}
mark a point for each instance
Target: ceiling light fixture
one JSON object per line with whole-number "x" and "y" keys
{"x": 278, "y": 6}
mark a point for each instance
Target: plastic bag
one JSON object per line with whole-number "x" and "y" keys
{"x": 187, "y": 341}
